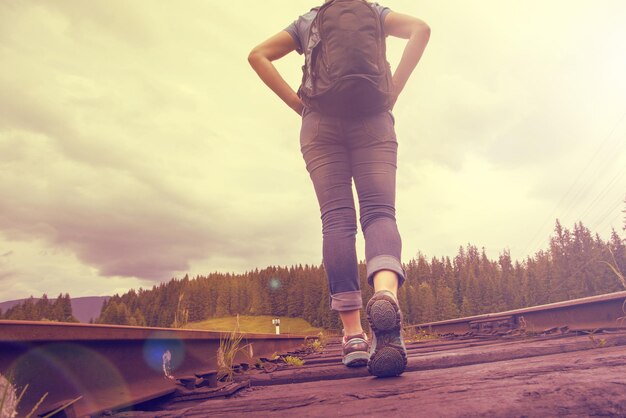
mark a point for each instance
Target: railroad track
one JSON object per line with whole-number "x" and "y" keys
{"x": 113, "y": 367}
{"x": 585, "y": 314}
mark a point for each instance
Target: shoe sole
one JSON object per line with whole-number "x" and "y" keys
{"x": 356, "y": 359}
{"x": 385, "y": 319}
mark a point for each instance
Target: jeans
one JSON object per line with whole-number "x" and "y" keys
{"x": 335, "y": 151}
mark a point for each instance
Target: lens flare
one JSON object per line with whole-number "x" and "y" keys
{"x": 163, "y": 354}
{"x": 75, "y": 369}
{"x": 275, "y": 284}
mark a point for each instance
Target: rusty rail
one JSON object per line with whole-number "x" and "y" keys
{"x": 588, "y": 314}
{"x": 117, "y": 366}
{"x": 112, "y": 366}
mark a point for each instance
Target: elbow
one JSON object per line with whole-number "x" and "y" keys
{"x": 256, "y": 58}
{"x": 421, "y": 29}
{"x": 257, "y": 55}
{"x": 253, "y": 57}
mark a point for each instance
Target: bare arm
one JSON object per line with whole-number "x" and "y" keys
{"x": 261, "y": 58}
{"x": 418, "y": 33}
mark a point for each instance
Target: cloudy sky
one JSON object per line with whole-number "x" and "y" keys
{"x": 136, "y": 144}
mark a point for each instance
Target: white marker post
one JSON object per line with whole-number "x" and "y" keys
{"x": 276, "y": 322}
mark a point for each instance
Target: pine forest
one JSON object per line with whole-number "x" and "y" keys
{"x": 576, "y": 264}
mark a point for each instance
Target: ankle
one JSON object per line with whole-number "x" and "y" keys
{"x": 351, "y": 321}
{"x": 393, "y": 291}
{"x": 352, "y": 331}
{"x": 386, "y": 280}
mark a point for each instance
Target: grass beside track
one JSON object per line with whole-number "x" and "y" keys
{"x": 256, "y": 324}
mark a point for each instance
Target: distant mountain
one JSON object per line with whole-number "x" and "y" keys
{"x": 83, "y": 308}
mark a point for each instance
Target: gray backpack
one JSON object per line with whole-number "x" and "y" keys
{"x": 346, "y": 72}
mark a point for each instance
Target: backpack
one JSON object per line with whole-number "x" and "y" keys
{"x": 346, "y": 72}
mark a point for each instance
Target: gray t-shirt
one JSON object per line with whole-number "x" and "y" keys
{"x": 299, "y": 29}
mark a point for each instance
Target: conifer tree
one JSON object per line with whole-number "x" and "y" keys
{"x": 426, "y": 309}
{"x": 138, "y": 318}
{"x": 28, "y": 311}
{"x": 445, "y": 307}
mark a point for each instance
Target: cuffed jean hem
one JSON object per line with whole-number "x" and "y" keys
{"x": 384, "y": 262}
{"x": 346, "y": 301}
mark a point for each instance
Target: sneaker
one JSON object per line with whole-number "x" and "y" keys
{"x": 387, "y": 352}
{"x": 355, "y": 350}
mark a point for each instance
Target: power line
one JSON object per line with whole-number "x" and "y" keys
{"x": 533, "y": 241}
{"x": 600, "y": 169}
{"x": 602, "y": 219}
{"x": 604, "y": 191}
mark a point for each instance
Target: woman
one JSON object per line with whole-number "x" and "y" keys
{"x": 337, "y": 149}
